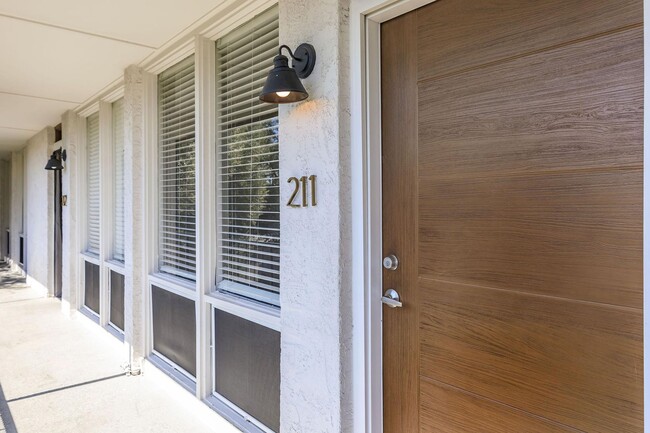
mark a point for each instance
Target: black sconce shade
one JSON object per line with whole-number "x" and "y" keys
{"x": 283, "y": 83}
{"x": 56, "y": 160}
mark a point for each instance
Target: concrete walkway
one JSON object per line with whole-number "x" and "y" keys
{"x": 60, "y": 375}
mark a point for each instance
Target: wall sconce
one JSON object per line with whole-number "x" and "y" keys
{"x": 283, "y": 84}
{"x": 56, "y": 160}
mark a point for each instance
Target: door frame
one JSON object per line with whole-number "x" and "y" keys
{"x": 366, "y": 17}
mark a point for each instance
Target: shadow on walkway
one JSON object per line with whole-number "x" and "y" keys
{"x": 7, "y": 424}
{"x": 10, "y": 279}
{"x": 63, "y": 388}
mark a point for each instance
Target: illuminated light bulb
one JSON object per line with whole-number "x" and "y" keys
{"x": 282, "y": 94}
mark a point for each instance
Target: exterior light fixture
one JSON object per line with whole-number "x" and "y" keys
{"x": 56, "y": 160}
{"x": 283, "y": 84}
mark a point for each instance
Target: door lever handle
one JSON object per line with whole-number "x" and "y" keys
{"x": 391, "y": 299}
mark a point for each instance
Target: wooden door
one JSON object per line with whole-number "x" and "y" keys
{"x": 512, "y": 197}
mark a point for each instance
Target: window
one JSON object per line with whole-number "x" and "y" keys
{"x": 92, "y": 175}
{"x": 177, "y": 213}
{"x": 118, "y": 180}
{"x": 247, "y": 154}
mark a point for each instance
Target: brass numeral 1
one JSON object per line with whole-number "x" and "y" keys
{"x": 312, "y": 180}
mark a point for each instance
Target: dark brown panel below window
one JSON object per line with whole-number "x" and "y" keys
{"x": 247, "y": 367}
{"x": 174, "y": 328}
{"x": 91, "y": 298}
{"x": 117, "y": 300}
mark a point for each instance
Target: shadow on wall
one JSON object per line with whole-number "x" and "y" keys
{"x": 7, "y": 424}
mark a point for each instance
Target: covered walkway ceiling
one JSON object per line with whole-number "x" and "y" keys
{"x": 56, "y": 54}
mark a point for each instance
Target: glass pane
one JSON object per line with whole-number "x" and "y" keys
{"x": 174, "y": 328}
{"x": 247, "y": 367}
{"x": 176, "y": 162}
{"x": 91, "y": 292}
{"x": 117, "y": 300}
{"x": 248, "y": 155}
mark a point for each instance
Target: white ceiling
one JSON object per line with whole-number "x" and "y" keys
{"x": 56, "y": 54}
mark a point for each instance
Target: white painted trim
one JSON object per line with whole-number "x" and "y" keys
{"x": 77, "y": 192}
{"x": 174, "y": 54}
{"x": 225, "y": 16}
{"x": 90, "y": 314}
{"x": 91, "y": 108}
{"x": 237, "y": 14}
{"x": 255, "y": 312}
{"x": 173, "y": 370}
{"x": 252, "y": 424}
{"x": 150, "y": 114}
{"x": 206, "y": 219}
{"x": 112, "y": 329}
{"x": 88, "y": 257}
{"x": 116, "y": 266}
{"x": 86, "y": 108}
{"x": 186, "y": 400}
{"x": 366, "y": 17}
{"x": 177, "y": 286}
{"x": 105, "y": 205}
{"x": 231, "y": 415}
{"x": 116, "y": 93}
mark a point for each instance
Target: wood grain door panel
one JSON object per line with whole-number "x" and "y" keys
{"x": 446, "y": 409}
{"x": 459, "y": 34}
{"x": 577, "y": 363}
{"x": 574, "y": 107}
{"x": 574, "y": 235}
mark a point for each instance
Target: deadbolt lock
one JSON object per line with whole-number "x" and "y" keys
{"x": 390, "y": 262}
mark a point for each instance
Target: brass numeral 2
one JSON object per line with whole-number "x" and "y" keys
{"x": 300, "y": 186}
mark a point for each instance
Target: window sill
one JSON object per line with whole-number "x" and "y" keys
{"x": 179, "y": 286}
{"x": 253, "y": 311}
{"x": 90, "y": 257}
{"x": 233, "y": 415}
{"x": 116, "y": 266}
{"x": 179, "y": 375}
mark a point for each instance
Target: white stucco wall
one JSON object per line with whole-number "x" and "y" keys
{"x": 37, "y": 213}
{"x": 316, "y": 296}
{"x": 5, "y": 204}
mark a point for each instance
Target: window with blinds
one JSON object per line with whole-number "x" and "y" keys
{"x": 247, "y": 154}
{"x": 177, "y": 213}
{"x": 118, "y": 179}
{"x": 92, "y": 175}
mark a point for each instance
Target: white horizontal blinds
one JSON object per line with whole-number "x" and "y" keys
{"x": 118, "y": 179}
{"x": 92, "y": 176}
{"x": 248, "y": 183}
{"x": 176, "y": 121}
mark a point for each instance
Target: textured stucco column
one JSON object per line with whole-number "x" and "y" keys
{"x": 135, "y": 263}
{"x": 38, "y": 215}
{"x": 17, "y": 196}
{"x": 316, "y": 242}
{"x": 70, "y": 122}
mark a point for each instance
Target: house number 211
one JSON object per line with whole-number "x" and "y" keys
{"x": 300, "y": 186}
